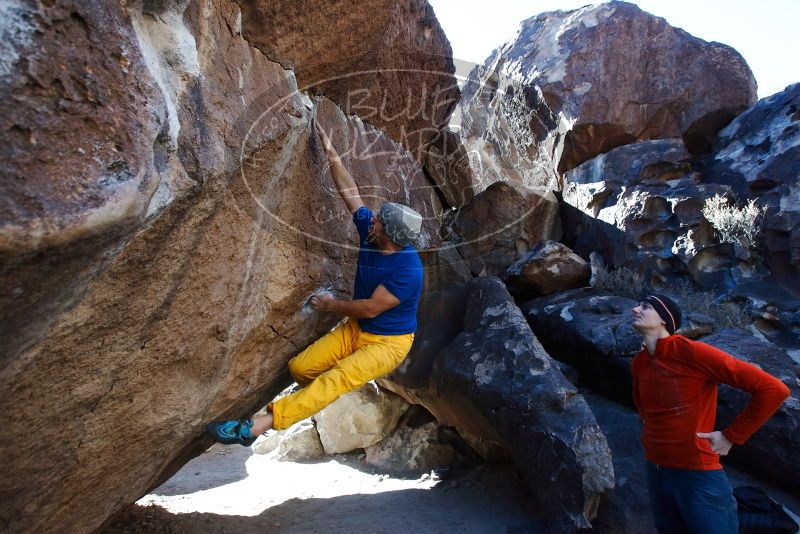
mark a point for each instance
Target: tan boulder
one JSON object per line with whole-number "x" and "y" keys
{"x": 298, "y": 443}
{"x": 359, "y": 419}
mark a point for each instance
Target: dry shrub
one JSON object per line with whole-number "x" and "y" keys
{"x": 725, "y": 314}
{"x": 625, "y": 282}
{"x": 622, "y": 282}
{"x": 732, "y": 223}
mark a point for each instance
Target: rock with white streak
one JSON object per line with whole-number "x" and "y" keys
{"x": 758, "y": 157}
{"x": 477, "y": 366}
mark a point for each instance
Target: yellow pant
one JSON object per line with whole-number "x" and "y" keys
{"x": 342, "y": 360}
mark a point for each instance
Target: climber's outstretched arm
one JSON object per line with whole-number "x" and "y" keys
{"x": 341, "y": 176}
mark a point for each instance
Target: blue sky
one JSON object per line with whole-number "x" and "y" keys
{"x": 765, "y": 32}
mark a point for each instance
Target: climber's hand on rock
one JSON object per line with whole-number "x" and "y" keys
{"x": 323, "y": 302}
{"x": 326, "y": 141}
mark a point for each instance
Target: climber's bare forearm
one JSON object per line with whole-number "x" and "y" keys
{"x": 342, "y": 178}
{"x": 345, "y": 184}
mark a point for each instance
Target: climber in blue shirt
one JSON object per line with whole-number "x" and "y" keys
{"x": 379, "y": 323}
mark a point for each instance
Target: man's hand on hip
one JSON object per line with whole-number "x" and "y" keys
{"x": 719, "y": 443}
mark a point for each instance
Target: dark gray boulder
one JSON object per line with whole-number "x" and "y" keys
{"x": 497, "y": 385}
{"x": 626, "y": 509}
{"x": 593, "y": 334}
{"x": 650, "y": 194}
{"x": 641, "y": 206}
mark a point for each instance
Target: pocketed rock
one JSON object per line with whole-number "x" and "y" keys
{"x": 641, "y": 205}
{"x": 298, "y": 443}
{"x": 359, "y": 419}
{"x": 758, "y": 157}
{"x": 490, "y": 378}
{"x": 547, "y": 268}
{"x": 412, "y": 450}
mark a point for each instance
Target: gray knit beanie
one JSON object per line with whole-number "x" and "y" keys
{"x": 401, "y": 223}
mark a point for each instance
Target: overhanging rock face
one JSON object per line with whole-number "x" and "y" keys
{"x": 483, "y": 371}
{"x": 170, "y": 211}
{"x": 387, "y": 61}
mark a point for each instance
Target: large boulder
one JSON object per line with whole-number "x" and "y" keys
{"x": 501, "y": 224}
{"x": 593, "y": 334}
{"x": 758, "y": 156}
{"x": 493, "y": 381}
{"x": 541, "y": 105}
{"x": 170, "y": 212}
{"x": 359, "y": 419}
{"x": 387, "y": 61}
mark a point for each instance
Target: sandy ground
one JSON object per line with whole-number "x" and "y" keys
{"x": 229, "y": 489}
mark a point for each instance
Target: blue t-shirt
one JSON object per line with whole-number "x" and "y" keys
{"x": 400, "y": 273}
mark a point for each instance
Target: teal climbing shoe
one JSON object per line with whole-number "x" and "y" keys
{"x": 229, "y": 432}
